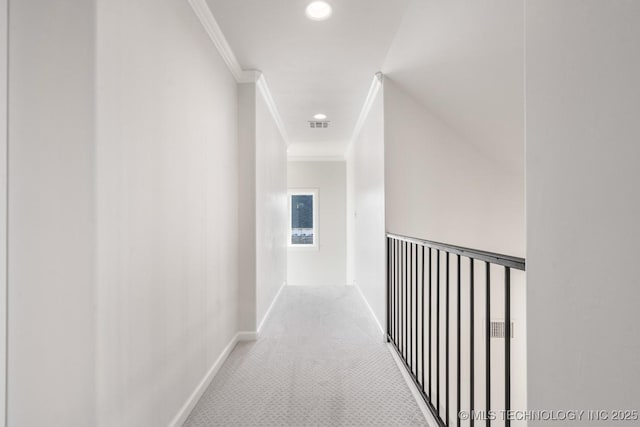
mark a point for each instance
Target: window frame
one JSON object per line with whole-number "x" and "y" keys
{"x": 315, "y": 195}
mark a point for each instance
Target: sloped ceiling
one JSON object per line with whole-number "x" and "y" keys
{"x": 464, "y": 61}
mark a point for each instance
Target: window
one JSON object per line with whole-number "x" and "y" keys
{"x": 303, "y": 224}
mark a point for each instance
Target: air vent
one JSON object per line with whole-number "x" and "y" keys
{"x": 319, "y": 124}
{"x": 497, "y": 329}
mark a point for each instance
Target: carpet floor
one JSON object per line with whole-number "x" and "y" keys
{"x": 320, "y": 361}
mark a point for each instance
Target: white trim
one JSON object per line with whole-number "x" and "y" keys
{"x": 204, "y": 14}
{"x": 201, "y": 8}
{"x": 373, "y": 314}
{"x": 247, "y": 336}
{"x": 273, "y": 303}
{"x": 242, "y": 336}
{"x": 316, "y": 159}
{"x": 376, "y": 84}
{"x": 431, "y": 421}
{"x": 191, "y": 402}
{"x": 261, "y": 82}
{"x": 405, "y": 375}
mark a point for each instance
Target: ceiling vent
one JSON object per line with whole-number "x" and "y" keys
{"x": 319, "y": 124}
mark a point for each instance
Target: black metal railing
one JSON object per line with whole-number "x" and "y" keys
{"x": 413, "y": 274}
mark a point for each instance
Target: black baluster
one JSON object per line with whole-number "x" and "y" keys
{"x": 410, "y": 300}
{"x": 430, "y": 325}
{"x": 458, "y": 348}
{"x": 406, "y": 303}
{"x": 396, "y": 324}
{"x": 386, "y": 338}
{"x": 438, "y": 327}
{"x": 415, "y": 330}
{"x": 507, "y": 345}
{"x": 422, "y": 323}
{"x": 393, "y": 291}
{"x": 488, "y": 342}
{"x": 446, "y": 405}
{"x": 471, "y": 343}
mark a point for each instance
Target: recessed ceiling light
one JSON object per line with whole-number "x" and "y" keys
{"x": 320, "y": 116}
{"x": 318, "y": 10}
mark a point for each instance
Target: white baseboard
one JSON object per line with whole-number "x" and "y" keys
{"x": 373, "y": 314}
{"x": 191, "y": 402}
{"x": 247, "y": 336}
{"x": 405, "y": 375}
{"x": 431, "y": 421}
{"x": 273, "y": 303}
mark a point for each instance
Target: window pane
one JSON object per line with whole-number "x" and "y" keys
{"x": 302, "y": 219}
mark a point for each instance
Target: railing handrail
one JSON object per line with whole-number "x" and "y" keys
{"x": 492, "y": 257}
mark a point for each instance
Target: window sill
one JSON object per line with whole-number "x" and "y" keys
{"x": 301, "y": 248}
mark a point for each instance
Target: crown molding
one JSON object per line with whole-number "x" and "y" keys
{"x": 204, "y": 14}
{"x": 376, "y": 84}
{"x": 263, "y": 87}
{"x": 208, "y": 21}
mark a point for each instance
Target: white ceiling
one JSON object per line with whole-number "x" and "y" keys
{"x": 312, "y": 67}
{"x": 464, "y": 61}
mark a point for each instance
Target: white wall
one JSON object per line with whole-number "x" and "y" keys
{"x": 52, "y": 324}
{"x": 271, "y": 208}
{"x": 583, "y": 104}
{"x": 126, "y": 171}
{"x": 367, "y": 250}
{"x": 441, "y": 187}
{"x": 262, "y": 257}
{"x": 167, "y": 184}
{"x": 4, "y": 31}
{"x": 327, "y": 264}
{"x": 247, "y": 247}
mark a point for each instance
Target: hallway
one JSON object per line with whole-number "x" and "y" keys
{"x": 209, "y": 210}
{"x": 320, "y": 360}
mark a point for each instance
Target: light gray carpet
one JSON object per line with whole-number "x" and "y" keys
{"x": 320, "y": 361}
